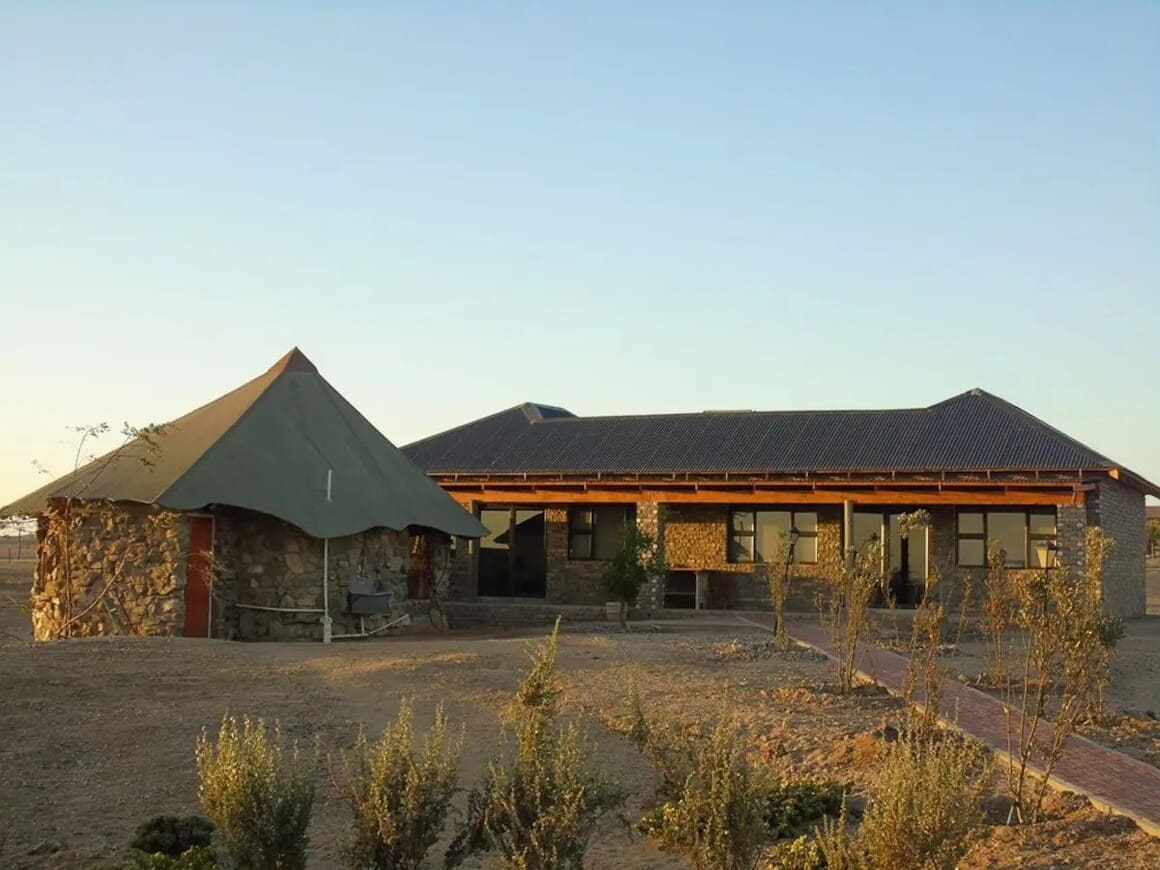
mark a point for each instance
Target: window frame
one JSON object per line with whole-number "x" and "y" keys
{"x": 731, "y": 534}
{"x": 1029, "y": 538}
{"x": 588, "y": 530}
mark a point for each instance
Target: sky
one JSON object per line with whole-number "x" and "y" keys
{"x": 612, "y": 207}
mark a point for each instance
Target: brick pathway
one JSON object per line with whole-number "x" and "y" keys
{"x": 1113, "y": 781}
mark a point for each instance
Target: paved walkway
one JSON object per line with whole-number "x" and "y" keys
{"x": 1111, "y": 780}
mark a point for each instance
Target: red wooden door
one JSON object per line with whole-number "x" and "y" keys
{"x": 197, "y": 577}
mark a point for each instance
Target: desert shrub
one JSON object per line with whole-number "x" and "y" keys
{"x": 540, "y": 687}
{"x": 801, "y": 853}
{"x": 792, "y": 802}
{"x": 1063, "y": 655}
{"x": 258, "y": 792}
{"x": 172, "y": 835}
{"x": 927, "y": 803}
{"x": 399, "y": 799}
{"x": 197, "y": 858}
{"x": 717, "y": 814}
{"x": 837, "y": 846}
{"x": 540, "y": 800}
{"x": 849, "y": 609}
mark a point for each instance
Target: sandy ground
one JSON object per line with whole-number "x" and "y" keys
{"x": 98, "y": 735}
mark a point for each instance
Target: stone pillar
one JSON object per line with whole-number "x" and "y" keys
{"x": 650, "y": 520}
{"x": 1071, "y": 527}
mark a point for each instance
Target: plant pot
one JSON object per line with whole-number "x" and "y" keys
{"x": 612, "y": 610}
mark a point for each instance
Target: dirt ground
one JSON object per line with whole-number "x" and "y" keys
{"x": 98, "y": 735}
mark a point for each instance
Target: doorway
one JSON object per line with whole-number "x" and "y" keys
{"x": 513, "y": 558}
{"x": 198, "y": 577}
{"x": 904, "y": 560}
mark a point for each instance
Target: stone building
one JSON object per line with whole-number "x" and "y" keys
{"x": 275, "y": 511}
{"x": 722, "y": 491}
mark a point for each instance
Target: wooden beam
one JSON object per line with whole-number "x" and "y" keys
{"x": 892, "y": 496}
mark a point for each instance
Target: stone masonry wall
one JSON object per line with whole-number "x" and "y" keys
{"x": 263, "y": 561}
{"x": 697, "y": 539}
{"x": 135, "y": 554}
{"x": 1120, "y": 513}
{"x": 569, "y": 581}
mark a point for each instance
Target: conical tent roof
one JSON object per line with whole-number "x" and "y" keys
{"x": 268, "y": 447}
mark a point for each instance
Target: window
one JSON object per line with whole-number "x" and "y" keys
{"x": 757, "y": 536}
{"x": 1017, "y": 533}
{"x": 596, "y": 532}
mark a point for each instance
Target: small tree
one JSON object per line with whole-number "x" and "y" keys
{"x": 849, "y": 606}
{"x": 637, "y": 561}
{"x": 399, "y": 799}
{"x": 258, "y": 793}
{"x": 1062, "y": 653}
{"x": 777, "y": 574}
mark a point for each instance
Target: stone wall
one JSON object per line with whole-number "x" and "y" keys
{"x": 1119, "y": 511}
{"x": 263, "y": 562}
{"x": 124, "y": 564}
{"x": 697, "y": 538}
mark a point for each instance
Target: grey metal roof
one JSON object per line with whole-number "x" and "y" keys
{"x": 268, "y": 446}
{"x": 972, "y": 431}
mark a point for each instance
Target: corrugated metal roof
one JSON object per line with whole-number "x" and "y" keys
{"x": 268, "y": 446}
{"x": 972, "y": 431}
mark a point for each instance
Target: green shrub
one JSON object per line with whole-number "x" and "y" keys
{"x": 792, "y": 802}
{"x": 172, "y": 835}
{"x": 540, "y": 800}
{"x": 400, "y": 800}
{"x": 716, "y": 815}
{"x": 258, "y": 793}
{"x": 927, "y": 803}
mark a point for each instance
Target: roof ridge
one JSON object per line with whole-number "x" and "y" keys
{"x": 1027, "y": 416}
{"x": 516, "y": 408}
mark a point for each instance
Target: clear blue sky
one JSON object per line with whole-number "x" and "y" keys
{"x": 629, "y": 208}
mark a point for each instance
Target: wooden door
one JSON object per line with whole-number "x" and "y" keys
{"x": 198, "y": 577}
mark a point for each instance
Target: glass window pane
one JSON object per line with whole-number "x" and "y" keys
{"x": 772, "y": 535}
{"x": 970, "y": 523}
{"x": 806, "y": 550}
{"x": 1007, "y": 530}
{"x": 916, "y": 554}
{"x": 1042, "y": 524}
{"x": 580, "y": 518}
{"x": 1039, "y": 553}
{"x": 741, "y": 548}
{"x": 609, "y": 531}
{"x": 806, "y": 522}
{"x": 972, "y": 553}
{"x": 866, "y": 526}
{"x": 496, "y": 523}
{"x": 580, "y": 546}
{"x": 743, "y": 521}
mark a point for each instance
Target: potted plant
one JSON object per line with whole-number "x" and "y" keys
{"x": 637, "y": 561}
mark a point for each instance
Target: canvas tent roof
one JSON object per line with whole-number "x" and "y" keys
{"x": 267, "y": 446}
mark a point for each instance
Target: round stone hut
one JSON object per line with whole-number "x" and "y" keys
{"x": 275, "y": 511}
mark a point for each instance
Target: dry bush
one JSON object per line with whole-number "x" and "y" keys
{"x": 927, "y": 803}
{"x": 541, "y": 798}
{"x": 924, "y": 810}
{"x": 716, "y": 814}
{"x": 400, "y": 799}
{"x": 714, "y": 805}
{"x": 258, "y": 792}
{"x": 1061, "y": 656}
